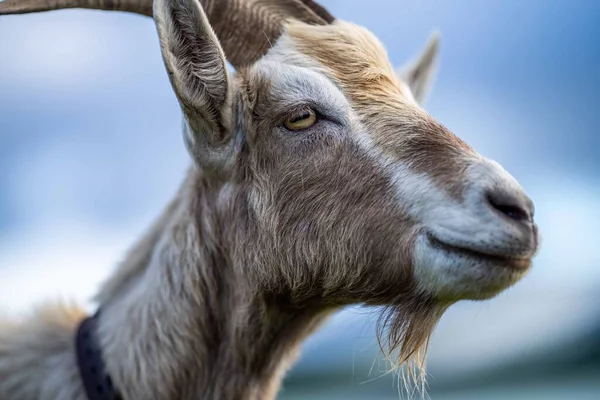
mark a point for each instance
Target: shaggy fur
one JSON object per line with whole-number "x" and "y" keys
{"x": 37, "y": 355}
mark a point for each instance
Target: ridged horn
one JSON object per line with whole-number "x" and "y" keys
{"x": 246, "y": 28}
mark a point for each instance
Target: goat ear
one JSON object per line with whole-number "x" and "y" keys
{"x": 196, "y": 66}
{"x": 419, "y": 74}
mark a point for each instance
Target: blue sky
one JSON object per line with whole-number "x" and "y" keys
{"x": 90, "y": 149}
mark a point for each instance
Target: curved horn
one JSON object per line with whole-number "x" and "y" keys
{"x": 245, "y": 28}
{"x": 143, "y": 7}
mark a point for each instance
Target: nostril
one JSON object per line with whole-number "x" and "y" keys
{"x": 509, "y": 209}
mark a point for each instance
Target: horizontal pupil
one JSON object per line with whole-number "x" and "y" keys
{"x": 301, "y": 117}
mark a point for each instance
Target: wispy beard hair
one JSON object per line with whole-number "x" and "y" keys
{"x": 403, "y": 333}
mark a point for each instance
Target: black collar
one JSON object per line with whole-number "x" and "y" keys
{"x": 96, "y": 381}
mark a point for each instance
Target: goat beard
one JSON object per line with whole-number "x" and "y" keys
{"x": 403, "y": 333}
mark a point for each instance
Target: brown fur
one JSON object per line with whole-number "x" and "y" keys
{"x": 355, "y": 59}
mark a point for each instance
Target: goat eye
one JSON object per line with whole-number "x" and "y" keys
{"x": 303, "y": 120}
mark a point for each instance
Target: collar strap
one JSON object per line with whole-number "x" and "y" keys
{"x": 96, "y": 380}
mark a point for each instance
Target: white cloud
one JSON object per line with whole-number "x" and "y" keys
{"x": 73, "y": 48}
{"x": 63, "y": 259}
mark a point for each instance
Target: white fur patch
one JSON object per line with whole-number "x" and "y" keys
{"x": 469, "y": 223}
{"x": 451, "y": 277}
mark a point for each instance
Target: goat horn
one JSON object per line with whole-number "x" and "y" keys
{"x": 143, "y": 7}
{"x": 245, "y": 28}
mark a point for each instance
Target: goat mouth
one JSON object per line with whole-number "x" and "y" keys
{"x": 513, "y": 262}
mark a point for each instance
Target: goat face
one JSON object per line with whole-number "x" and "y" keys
{"x": 336, "y": 184}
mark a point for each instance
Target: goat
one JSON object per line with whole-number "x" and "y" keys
{"x": 318, "y": 181}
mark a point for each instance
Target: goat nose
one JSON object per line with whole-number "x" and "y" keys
{"x": 514, "y": 205}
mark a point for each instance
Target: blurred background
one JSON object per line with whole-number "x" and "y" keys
{"x": 91, "y": 150}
